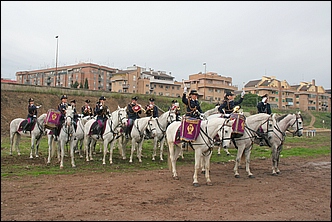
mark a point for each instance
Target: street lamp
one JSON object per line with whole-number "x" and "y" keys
{"x": 56, "y": 62}
{"x": 204, "y": 64}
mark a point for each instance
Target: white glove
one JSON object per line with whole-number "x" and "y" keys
{"x": 38, "y": 107}
{"x": 185, "y": 90}
{"x": 264, "y": 100}
{"x": 34, "y": 116}
{"x": 201, "y": 116}
{"x": 101, "y": 107}
{"x": 242, "y": 94}
{"x": 227, "y": 115}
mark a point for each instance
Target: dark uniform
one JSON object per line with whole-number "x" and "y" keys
{"x": 151, "y": 109}
{"x": 101, "y": 111}
{"x": 193, "y": 106}
{"x": 227, "y": 105}
{"x": 133, "y": 114}
{"x": 176, "y": 109}
{"x": 62, "y": 107}
{"x": 86, "y": 109}
{"x": 75, "y": 117}
{"x": 32, "y": 115}
{"x": 264, "y": 107}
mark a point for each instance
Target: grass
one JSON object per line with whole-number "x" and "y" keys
{"x": 13, "y": 166}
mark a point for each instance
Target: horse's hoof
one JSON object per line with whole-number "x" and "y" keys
{"x": 209, "y": 183}
{"x": 74, "y": 166}
{"x": 278, "y": 173}
{"x": 195, "y": 184}
{"x": 61, "y": 167}
{"x": 251, "y": 176}
{"x": 176, "y": 178}
{"x": 237, "y": 176}
{"x": 19, "y": 154}
{"x": 202, "y": 172}
{"x": 228, "y": 154}
{"x": 219, "y": 154}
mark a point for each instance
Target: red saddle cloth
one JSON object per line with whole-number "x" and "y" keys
{"x": 189, "y": 129}
{"x": 52, "y": 119}
{"x": 238, "y": 125}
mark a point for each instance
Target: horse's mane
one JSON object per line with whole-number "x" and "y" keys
{"x": 281, "y": 117}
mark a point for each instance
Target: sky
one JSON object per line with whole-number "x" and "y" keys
{"x": 244, "y": 40}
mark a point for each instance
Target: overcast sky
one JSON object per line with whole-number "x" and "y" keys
{"x": 242, "y": 40}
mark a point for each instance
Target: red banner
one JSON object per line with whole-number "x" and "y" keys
{"x": 190, "y": 128}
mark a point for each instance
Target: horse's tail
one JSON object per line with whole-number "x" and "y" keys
{"x": 14, "y": 141}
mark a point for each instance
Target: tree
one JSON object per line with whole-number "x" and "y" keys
{"x": 75, "y": 85}
{"x": 86, "y": 84}
{"x": 250, "y": 100}
{"x": 81, "y": 85}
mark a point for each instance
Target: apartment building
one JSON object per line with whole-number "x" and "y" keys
{"x": 97, "y": 76}
{"x": 305, "y": 96}
{"x": 210, "y": 86}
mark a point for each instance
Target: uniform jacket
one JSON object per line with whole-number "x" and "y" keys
{"x": 264, "y": 108}
{"x": 227, "y": 106}
{"x": 192, "y": 106}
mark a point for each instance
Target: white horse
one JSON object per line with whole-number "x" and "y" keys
{"x": 276, "y": 139}
{"x": 163, "y": 122}
{"x": 211, "y": 112}
{"x": 79, "y": 134}
{"x": 244, "y": 143}
{"x": 140, "y": 128}
{"x": 66, "y": 137}
{"x": 113, "y": 129}
{"x": 36, "y": 135}
{"x": 203, "y": 145}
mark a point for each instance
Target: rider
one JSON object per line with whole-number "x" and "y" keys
{"x": 263, "y": 107}
{"x": 133, "y": 111}
{"x": 32, "y": 115}
{"x": 227, "y": 106}
{"x": 151, "y": 109}
{"x": 86, "y": 109}
{"x": 176, "y": 108}
{"x": 193, "y": 106}
{"x": 75, "y": 118}
{"x": 62, "y": 107}
{"x": 101, "y": 110}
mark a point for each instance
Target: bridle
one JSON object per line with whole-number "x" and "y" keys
{"x": 298, "y": 128}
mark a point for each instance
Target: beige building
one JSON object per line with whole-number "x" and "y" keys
{"x": 210, "y": 86}
{"x": 305, "y": 96}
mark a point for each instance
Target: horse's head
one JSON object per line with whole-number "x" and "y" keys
{"x": 225, "y": 132}
{"x": 122, "y": 116}
{"x": 152, "y": 126}
{"x": 69, "y": 115}
{"x": 171, "y": 117}
{"x": 297, "y": 125}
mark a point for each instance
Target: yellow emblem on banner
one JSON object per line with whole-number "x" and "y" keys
{"x": 54, "y": 116}
{"x": 190, "y": 129}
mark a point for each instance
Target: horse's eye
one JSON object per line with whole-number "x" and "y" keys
{"x": 226, "y": 131}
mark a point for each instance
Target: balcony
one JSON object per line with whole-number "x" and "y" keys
{"x": 125, "y": 86}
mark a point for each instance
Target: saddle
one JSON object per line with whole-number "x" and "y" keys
{"x": 29, "y": 126}
{"x": 97, "y": 128}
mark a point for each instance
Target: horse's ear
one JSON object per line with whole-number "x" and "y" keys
{"x": 118, "y": 107}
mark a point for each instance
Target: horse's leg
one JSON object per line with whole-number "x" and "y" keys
{"x": 227, "y": 152}
{"x": 112, "y": 143}
{"x": 207, "y": 168}
{"x": 139, "y": 150}
{"x": 133, "y": 144}
{"x": 105, "y": 145}
{"x": 237, "y": 160}
{"x": 161, "y": 144}
{"x": 17, "y": 143}
{"x": 49, "y": 141}
{"x": 37, "y": 146}
{"x": 198, "y": 156}
{"x": 278, "y": 158}
{"x": 172, "y": 159}
{"x": 155, "y": 144}
{"x": 87, "y": 145}
{"x": 247, "y": 155}
{"x": 72, "y": 153}
{"x": 219, "y": 148}
{"x": 274, "y": 159}
{"x": 32, "y": 146}
{"x": 181, "y": 154}
{"x": 62, "y": 153}
{"x": 11, "y": 138}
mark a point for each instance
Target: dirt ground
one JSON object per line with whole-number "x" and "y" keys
{"x": 302, "y": 192}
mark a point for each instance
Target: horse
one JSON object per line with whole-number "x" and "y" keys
{"x": 245, "y": 142}
{"x": 203, "y": 144}
{"x": 163, "y": 122}
{"x": 36, "y": 134}
{"x": 79, "y": 134}
{"x": 113, "y": 129}
{"x": 141, "y": 127}
{"x": 66, "y": 136}
{"x": 276, "y": 139}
